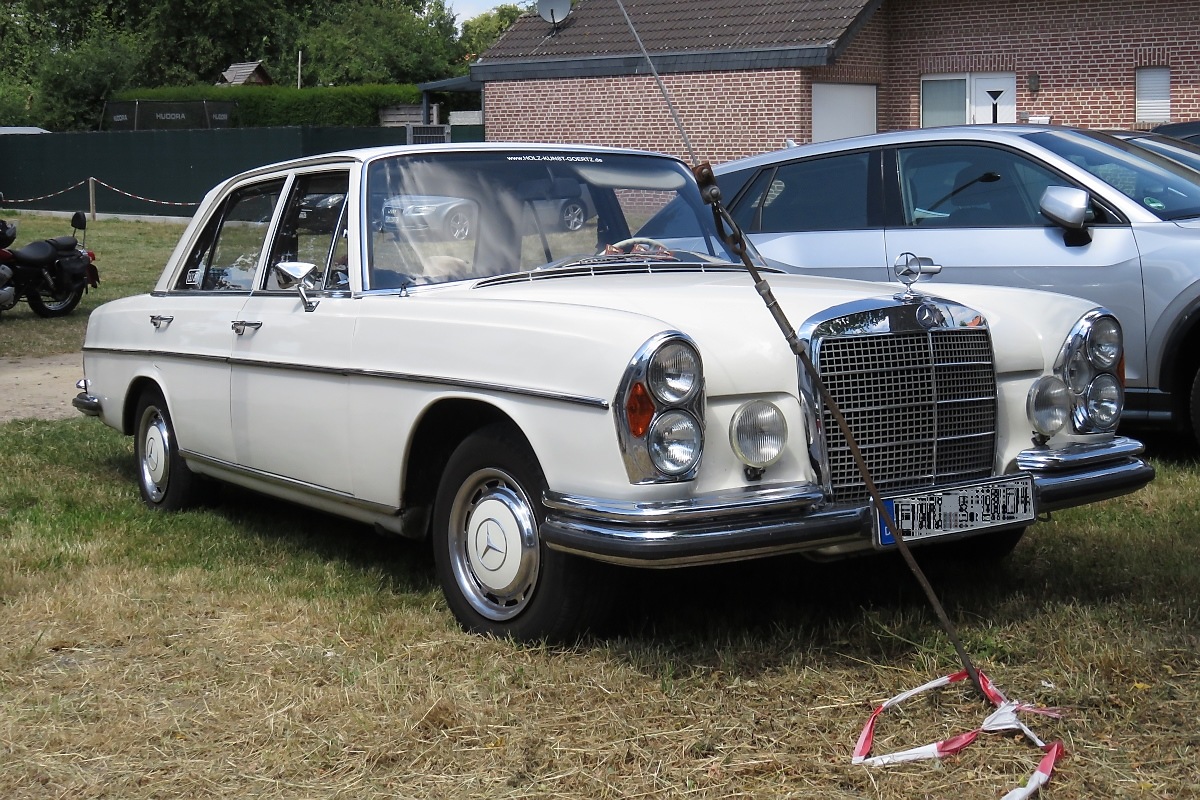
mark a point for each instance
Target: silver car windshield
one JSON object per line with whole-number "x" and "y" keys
{"x": 1164, "y": 187}
{"x": 437, "y": 217}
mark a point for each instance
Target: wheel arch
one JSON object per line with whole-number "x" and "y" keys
{"x": 137, "y": 388}
{"x": 439, "y": 431}
{"x": 1181, "y": 353}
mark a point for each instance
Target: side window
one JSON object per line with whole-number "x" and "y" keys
{"x": 312, "y": 229}
{"x": 227, "y": 253}
{"x": 968, "y": 186}
{"x": 818, "y": 194}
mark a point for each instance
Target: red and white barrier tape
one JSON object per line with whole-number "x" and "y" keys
{"x": 106, "y": 186}
{"x": 1004, "y": 718}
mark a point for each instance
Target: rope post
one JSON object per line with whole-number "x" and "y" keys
{"x": 92, "y": 197}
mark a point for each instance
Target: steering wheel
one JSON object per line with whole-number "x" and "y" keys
{"x": 633, "y": 241}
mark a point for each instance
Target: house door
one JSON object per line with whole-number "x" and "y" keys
{"x": 993, "y": 98}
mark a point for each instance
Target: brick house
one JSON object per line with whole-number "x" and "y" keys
{"x": 746, "y": 76}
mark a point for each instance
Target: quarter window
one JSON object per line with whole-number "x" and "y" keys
{"x": 819, "y": 194}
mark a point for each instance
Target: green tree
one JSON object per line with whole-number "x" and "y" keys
{"x": 382, "y": 41}
{"x": 481, "y": 32}
{"x": 71, "y": 87}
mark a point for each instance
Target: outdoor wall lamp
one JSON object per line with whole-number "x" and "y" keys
{"x": 1034, "y": 82}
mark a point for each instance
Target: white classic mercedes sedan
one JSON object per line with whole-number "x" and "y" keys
{"x": 540, "y": 400}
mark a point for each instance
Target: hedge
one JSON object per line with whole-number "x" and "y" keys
{"x": 276, "y": 106}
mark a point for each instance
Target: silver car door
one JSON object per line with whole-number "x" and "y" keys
{"x": 974, "y": 209}
{"x": 819, "y": 215}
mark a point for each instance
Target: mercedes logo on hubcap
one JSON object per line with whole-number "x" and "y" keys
{"x": 490, "y": 545}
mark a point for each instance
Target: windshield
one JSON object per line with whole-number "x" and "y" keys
{"x": 437, "y": 217}
{"x": 1162, "y": 186}
{"x": 1185, "y": 153}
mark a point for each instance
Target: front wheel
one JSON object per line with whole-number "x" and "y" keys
{"x": 47, "y": 305}
{"x": 498, "y": 577}
{"x": 164, "y": 479}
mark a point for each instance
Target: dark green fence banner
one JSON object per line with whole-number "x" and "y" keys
{"x": 161, "y": 173}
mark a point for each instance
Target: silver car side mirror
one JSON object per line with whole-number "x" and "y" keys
{"x": 1066, "y": 206}
{"x": 301, "y": 275}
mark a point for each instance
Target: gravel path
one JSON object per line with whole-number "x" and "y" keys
{"x": 41, "y": 388}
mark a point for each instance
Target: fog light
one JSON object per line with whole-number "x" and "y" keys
{"x": 1048, "y": 405}
{"x": 675, "y": 441}
{"x": 758, "y": 433}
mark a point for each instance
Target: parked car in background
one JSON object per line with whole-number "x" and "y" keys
{"x": 1183, "y": 151}
{"x": 1060, "y": 209}
{"x": 540, "y": 404}
{"x": 1188, "y": 131}
{"x": 454, "y": 217}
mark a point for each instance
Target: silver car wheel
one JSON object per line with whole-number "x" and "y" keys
{"x": 458, "y": 225}
{"x": 573, "y": 216}
{"x": 155, "y": 454}
{"x": 493, "y": 544}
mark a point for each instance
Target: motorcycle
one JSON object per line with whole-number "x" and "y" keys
{"x": 51, "y": 275}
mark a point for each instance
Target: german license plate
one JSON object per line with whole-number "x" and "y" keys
{"x": 1007, "y": 501}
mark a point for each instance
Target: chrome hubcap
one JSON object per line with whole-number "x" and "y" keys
{"x": 156, "y": 444}
{"x": 494, "y": 544}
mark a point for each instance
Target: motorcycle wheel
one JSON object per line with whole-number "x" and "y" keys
{"x": 50, "y": 306}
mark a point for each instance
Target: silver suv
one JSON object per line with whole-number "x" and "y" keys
{"x": 1061, "y": 209}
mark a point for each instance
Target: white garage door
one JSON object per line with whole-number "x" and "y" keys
{"x": 842, "y": 109}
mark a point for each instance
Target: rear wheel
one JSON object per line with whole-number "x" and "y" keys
{"x": 165, "y": 481}
{"x": 498, "y": 576}
{"x": 1194, "y": 408}
{"x": 47, "y": 305}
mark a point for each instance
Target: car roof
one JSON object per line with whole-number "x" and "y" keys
{"x": 986, "y": 133}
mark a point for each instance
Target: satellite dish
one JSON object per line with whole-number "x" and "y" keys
{"x": 554, "y": 11}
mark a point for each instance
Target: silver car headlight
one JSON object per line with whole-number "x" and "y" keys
{"x": 675, "y": 441}
{"x": 758, "y": 433}
{"x": 674, "y": 372}
{"x": 1091, "y": 364}
{"x": 660, "y": 417}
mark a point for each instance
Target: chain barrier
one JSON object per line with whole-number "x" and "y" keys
{"x": 92, "y": 182}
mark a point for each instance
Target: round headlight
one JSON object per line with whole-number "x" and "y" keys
{"x": 674, "y": 372}
{"x": 1048, "y": 405}
{"x": 758, "y": 433}
{"x": 1104, "y": 343}
{"x": 1104, "y": 402}
{"x": 1078, "y": 372}
{"x": 675, "y": 441}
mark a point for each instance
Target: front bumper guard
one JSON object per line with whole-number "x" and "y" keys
{"x": 771, "y": 520}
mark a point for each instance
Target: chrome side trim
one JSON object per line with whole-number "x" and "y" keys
{"x": 304, "y": 487}
{"x": 1078, "y": 454}
{"x": 403, "y": 377}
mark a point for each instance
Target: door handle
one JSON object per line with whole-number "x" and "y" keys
{"x": 240, "y": 325}
{"x": 158, "y": 320}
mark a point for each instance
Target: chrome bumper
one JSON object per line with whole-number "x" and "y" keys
{"x": 1085, "y": 473}
{"x": 762, "y": 521}
{"x": 86, "y": 404}
{"x": 730, "y": 526}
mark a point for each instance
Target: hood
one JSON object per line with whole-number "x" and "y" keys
{"x": 741, "y": 344}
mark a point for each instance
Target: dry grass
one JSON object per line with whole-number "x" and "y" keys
{"x": 253, "y": 650}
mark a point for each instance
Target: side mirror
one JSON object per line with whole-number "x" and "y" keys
{"x": 1066, "y": 207}
{"x": 299, "y": 275}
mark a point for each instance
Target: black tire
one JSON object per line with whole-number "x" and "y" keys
{"x": 164, "y": 479}
{"x": 573, "y": 215}
{"x": 1194, "y": 408}
{"x": 497, "y": 575}
{"x": 47, "y": 306}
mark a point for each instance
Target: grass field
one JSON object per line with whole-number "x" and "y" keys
{"x": 252, "y": 649}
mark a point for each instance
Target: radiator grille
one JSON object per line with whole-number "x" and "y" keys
{"x": 921, "y": 405}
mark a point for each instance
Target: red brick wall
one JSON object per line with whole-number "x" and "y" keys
{"x": 1085, "y": 52}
